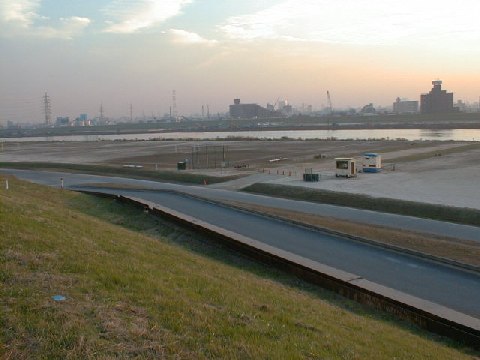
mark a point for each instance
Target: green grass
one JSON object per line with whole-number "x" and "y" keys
{"x": 411, "y": 208}
{"x": 138, "y": 287}
{"x": 171, "y": 176}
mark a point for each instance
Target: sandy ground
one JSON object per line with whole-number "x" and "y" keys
{"x": 450, "y": 179}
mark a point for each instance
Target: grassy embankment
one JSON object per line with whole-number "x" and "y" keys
{"x": 136, "y": 286}
{"x": 171, "y": 176}
{"x": 411, "y": 208}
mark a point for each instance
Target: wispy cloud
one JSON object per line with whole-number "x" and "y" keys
{"x": 68, "y": 28}
{"x": 126, "y": 16}
{"x": 22, "y": 13}
{"x": 21, "y": 17}
{"x": 185, "y": 37}
{"x": 357, "y": 21}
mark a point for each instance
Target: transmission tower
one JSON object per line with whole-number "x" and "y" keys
{"x": 47, "y": 108}
{"x": 329, "y": 101}
{"x": 101, "y": 113}
{"x": 174, "y": 106}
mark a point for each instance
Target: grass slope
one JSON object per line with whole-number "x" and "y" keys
{"x": 171, "y": 176}
{"x": 138, "y": 287}
{"x": 395, "y": 206}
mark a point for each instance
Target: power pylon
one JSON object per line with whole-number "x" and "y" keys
{"x": 101, "y": 113}
{"x": 47, "y": 108}
{"x": 174, "y": 106}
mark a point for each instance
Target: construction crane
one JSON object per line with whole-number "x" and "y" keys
{"x": 329, "y": 102}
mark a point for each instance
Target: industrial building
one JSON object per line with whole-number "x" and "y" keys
{"x": 249, "y": 111}
{"x": 437, "y": 100}
{"x": 405, "y": 106}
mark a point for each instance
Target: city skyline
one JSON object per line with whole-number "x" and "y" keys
{"x": 119, "y": 52}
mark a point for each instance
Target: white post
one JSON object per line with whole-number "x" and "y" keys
{"x": 61, "y": 182}
{"x": 6, "y": 184}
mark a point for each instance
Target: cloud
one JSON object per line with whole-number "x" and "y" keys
{"x": 68, "y": 28}
{"x": 185, "y": 37}
{"x": 361, "y": 22}
{"x": 22, "y": 13}
{"x": 21, "y": 18}
{"x": 128, "y": 16}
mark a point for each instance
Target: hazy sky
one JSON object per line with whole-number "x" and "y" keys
{"x": 118, "y": 52}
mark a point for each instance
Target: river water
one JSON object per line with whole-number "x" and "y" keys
{"x": 360, "y": 134}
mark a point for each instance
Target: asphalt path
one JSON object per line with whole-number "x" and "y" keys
{"x": 409, "y": 223}
{"x": 453, "y": 288}
{"x": 445, "y": 285}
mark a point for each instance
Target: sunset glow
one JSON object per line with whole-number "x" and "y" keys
{"x": 119, "y": 52}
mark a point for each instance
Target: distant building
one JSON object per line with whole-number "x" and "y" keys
{"x": 287, "y": 110}
{"x": 249, "y": 111}
{"x": 437, "y": 100}
{"x": 63, "y": 121}
{"x": 282, "y": 104}
{"x": 83, "y": 117}
{"x": 461, "y": 106}
{"x": 405, "y": 106}
{"x": 11, "y": 125}
{"x": 368, "y": 109}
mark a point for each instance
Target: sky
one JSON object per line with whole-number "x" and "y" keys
{"x": 121, "y": 52}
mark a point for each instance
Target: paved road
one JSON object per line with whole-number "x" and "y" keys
{"x": 453, "y": 288}
{"x": 433, "y": 227}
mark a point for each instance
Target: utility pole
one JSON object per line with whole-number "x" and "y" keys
{"x": 47, "y": 107}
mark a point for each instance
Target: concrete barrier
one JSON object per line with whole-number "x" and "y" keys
{"x": 425, "y": 314}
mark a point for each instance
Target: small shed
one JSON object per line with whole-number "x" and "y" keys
{"x": 372, "y": 162}
{"x": 309, "y": 176}
{"x": 345, "y": 167}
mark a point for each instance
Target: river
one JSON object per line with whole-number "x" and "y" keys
{"x": 360, "y": 134}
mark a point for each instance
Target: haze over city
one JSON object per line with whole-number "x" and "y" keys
{"x": 121, "y": 52}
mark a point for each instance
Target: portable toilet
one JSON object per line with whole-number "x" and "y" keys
{"x": 372, "y": 162}
{"x": 345, "y": 167}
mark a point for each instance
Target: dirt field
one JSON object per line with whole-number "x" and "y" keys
{"x": 434, "y": 172}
